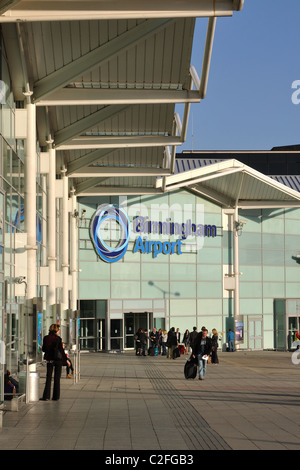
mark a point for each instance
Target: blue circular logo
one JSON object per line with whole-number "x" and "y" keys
{"x": 109, "y": 213}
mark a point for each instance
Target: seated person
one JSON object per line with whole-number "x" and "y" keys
{"x": 10, "y": 386}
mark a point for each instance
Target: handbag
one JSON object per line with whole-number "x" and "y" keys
{"x": 57, "y": 355}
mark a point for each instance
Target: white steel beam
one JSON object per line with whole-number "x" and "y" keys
{"x": 96, "y": 96}
{"x": 264, "y": 204}
{"x": 88, "y": 184}
{"x": 207, "y": 56}
{"x": 60, "y": 10}
{"x": 118, "y": 172}
{"x": 92, "y": 142}
{"x": 87, "y": 159}
{"x": 213, "y": 176}
{"x": 213, "y": 195}
{"x": 85, "y": 124}
{"x": 118, "y": 190}
{"x": 96, "y": 57}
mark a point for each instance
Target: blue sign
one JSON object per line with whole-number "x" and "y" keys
{"x": 104, "y": 213}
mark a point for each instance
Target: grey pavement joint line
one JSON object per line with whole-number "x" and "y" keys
{"x": 198, "y": 433}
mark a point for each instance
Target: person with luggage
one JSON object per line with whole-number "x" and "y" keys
{"x": 202, "y": 349}
{"x": 153, "y": 342}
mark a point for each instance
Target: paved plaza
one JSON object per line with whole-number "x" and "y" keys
{"x": 250, "y": 401}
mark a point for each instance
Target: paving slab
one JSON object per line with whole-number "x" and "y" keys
{"x": 250, "y": 401}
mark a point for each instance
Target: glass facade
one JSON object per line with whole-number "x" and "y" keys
{"x": 12, "y": 261}
{"x": 192, "y": 285}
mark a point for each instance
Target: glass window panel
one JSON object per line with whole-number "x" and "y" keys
{"x": 1, "y": 218}
{"x": 250, "y": 240}
{"x": 21, "y": 178}
{"x": 274, "y": 241}
{"x": 15, "y": 209}
{"x": 6, "y": 161}
{"x": 258, "y": 328}
{"x": 273, "y": 257}
{"x": 15, "y": 171}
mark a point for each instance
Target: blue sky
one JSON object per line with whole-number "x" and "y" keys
{"x": 255, "y": 60}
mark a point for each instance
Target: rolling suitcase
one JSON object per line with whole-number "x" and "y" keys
{"x": 176, "y": 353}
{"x": 190, "y": 369}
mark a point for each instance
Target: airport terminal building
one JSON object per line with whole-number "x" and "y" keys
{"x": 105, "y": 226}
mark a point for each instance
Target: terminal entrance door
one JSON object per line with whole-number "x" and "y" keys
{"x": 255, "y": 333}
{"x": 134, "y": 321}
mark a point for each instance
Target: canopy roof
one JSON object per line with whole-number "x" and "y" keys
{"x": 232, "y": 184}
{"x": 106, "y": 76}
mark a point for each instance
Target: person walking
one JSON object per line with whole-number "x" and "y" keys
{"x": 202, "y": 349}
{"x": 215, "y": 343}
{"x": 164, "y": 339}
{"x": 144, "y": 338}
{"x": 171, "y": 343}
{"x": 193, "y": 337}
{"x": 55, "y": 357}
{"x": 138, "y": 345}
{"x": 186, "y": 341}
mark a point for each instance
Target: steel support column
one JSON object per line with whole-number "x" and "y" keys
{"x": 74, "y": 251}
{"x": 30, "y": 168}
{"x": 51, "y": 235}
{"x": 65, "y": 246}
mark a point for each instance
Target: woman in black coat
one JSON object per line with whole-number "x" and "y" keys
{"x": 215, "y": 343}
{"x": 55, "y": 357}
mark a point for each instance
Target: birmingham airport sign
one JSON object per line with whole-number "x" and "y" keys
{"x": 111, "y": 222}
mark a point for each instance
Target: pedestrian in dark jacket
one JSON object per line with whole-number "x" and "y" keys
{"x": 55, "y": 357}
{"x": 193, "y": 336}
{"x": 201, "y": 350}
{"x": 171, "y": 342}
{"x": 215, "y": 343}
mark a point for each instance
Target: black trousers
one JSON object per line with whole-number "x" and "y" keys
{"x": 56, "y": 366}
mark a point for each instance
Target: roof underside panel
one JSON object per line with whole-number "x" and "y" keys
{"x": 106, "y": 76}
{"x": 160, "y": 61}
